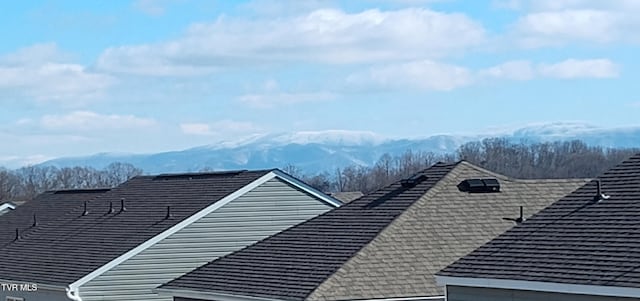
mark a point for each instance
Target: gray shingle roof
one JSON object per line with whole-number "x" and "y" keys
{"x": 47, "y": 207}
{"x": 576, "y": 240}
{"x": 60, "y": 253}
{"x": 292, "y": 264}
{"x": 390, "y": 250}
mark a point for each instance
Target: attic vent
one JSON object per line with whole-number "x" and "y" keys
{"x": 198, "y": 175}
{"x": 413, "y": 180}
{"x": 74, "y": 191}
{"x": 479, "y": 185}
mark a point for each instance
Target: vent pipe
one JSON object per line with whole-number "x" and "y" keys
{"x": 111, "y": 210}
{"x": 518, "y": 220}
{"x": 122, "y": 207}
{"x": 86, "y": 212}
{"x": 17, "y": 235}
{"x": 600, "y": 196}
{"x": 35, "y": 221}
{"x": 169, "y": 214}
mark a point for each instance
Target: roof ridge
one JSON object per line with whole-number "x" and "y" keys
{"x": 514, "y": 179}
{"x": 383, "y": 229}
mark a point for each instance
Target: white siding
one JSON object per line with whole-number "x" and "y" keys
{"x": 267, "y": 209}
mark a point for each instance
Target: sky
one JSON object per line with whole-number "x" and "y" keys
{"x": 145, "y": 76}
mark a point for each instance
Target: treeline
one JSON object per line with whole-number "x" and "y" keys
{"x": 25, "y": 183}
{"x": 571, "y": 159}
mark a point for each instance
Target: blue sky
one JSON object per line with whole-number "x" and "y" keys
{"x": 81, "y": 77}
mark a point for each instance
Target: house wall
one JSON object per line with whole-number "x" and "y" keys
{"x": 264, "y": 211}
{"x": 38, "y": 295}
{"x": 459, "y": 293}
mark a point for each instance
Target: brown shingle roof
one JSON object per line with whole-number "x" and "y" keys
{"x": 393, "y": 249}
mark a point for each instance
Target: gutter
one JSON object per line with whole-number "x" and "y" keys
{"x": 73, "y": 294}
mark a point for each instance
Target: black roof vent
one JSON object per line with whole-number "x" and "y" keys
{"x": 199, "y": 175}
{"x": 86, "y": 211}
{"x": 600, "y": 196}
{"x": 35, "y": 221}
{"x": 479, "y": 185}
{"x": 122, "y": 206}
{"x": 413, "y": 180}
{"x": 17, "y": 235}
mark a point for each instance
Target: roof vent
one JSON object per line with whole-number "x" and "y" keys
{"x": 518, "y": 220}
{"x": 122, "y": 207}
{"x": 17, "y": 234}
{"x": 111, "y": 210}
{"x": 169, "y": 214}
{"x": 85, "y": 212}
{"x": 479, "y": 185}
{"x": 600, "y": 196}
{"x": 35, "y": 221}
{"x": 413, "y": 180}
{"x": 198, "y": 175}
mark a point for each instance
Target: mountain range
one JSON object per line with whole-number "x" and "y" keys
{"x": 314, "y": 152}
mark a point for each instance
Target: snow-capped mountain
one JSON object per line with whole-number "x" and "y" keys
{"x": 326, "y": 150}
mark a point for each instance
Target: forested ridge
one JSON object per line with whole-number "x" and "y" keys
{"x": 571, "y": 159}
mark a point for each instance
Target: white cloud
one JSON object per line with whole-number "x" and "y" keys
{"x": 323, "y": 35}
{"x": 150, "y": 7}
{"x": 41, "y": 73}
{"x": 547, "y": 28}
{"x": 515, "y": 70}
{"x": 569, "y": 69}
{"x": 430, "y": 75}
{"x": 559, "y": 22}
{"x": 219, "y": 128}
{"x": 277, "y": 99}
{"x": 90, "y": 121}
{"x": 424, "y": 74}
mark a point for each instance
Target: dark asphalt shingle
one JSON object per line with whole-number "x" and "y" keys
{"x": 75, "y": 245}
{"x": 292, "y": 264}
{"x": 47, "y": 207}
{"x": 362, "y": 251}
{"x": 576, "y": 240}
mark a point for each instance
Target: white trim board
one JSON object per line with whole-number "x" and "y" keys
{"x": 301, "y": 185}
{"x": 551, "y": 287}
{"x": 5, "y": 206}
{"x": 74, "y": 287}
{"x": 147, "y": 244}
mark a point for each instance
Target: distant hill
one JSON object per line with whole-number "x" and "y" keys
{"x": 326, "y": 150}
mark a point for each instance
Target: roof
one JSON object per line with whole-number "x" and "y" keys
{"x": 347, "y": 196}
{"x": 576, "y": 240}
{"x": 61, "y": 252}
{"x": 384, "y": 245}
{"x": 46, "y": 207}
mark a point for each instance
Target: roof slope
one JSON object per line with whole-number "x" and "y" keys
{"x": 354, "y": 252}
{"x": 47, "y": 207}
{"x": 62, "y": 252}
{"x": 576, "y": 240}
{"x": 291, "y": 264}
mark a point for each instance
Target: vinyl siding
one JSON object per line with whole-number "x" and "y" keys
{"x": 266, "y": 210}
{"x": 458, "y": 293}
